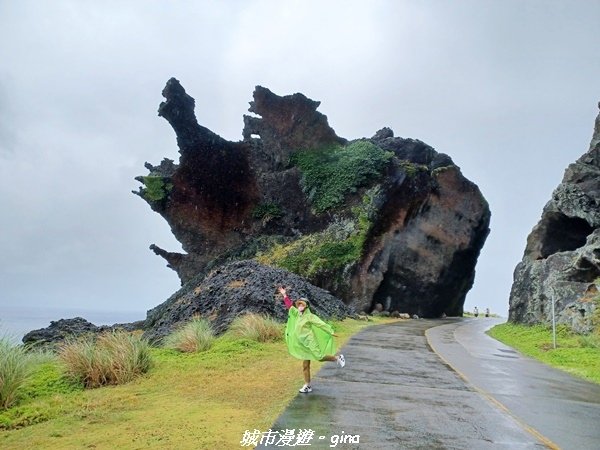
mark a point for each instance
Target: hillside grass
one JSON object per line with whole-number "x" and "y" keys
{"x": 187, "y": 400}
{"x": 573, "y": 354}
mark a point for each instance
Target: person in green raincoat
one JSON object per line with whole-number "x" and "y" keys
{"x": 308, "y": 337}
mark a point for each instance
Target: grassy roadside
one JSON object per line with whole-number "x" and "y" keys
{"x": 572, "y": 354}
{"x": 201, "y": 400}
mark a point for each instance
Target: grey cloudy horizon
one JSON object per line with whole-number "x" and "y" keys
{"x": 508, "y": 89}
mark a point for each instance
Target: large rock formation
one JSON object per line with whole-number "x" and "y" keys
{"x": 562, "y": 257}
{"x": 381, "y": 220}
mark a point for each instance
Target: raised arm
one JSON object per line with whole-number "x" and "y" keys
{"x": 286, "y": 299}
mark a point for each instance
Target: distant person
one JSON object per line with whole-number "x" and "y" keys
{"x": 475, "y": 312}
{"x": 487, "y": 312}
{"x": 308, "y": 337}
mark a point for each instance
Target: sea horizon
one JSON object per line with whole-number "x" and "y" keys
{"x": 17, "y": 321}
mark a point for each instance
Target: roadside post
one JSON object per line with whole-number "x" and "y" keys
{"x": 553, "y": 319}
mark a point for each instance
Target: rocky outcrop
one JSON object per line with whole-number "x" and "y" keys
{"x": 62, "y": 329}
{"x": 562, "y": 257}
{"x": 235, "y": 289}
{"x": 427, "y": 265}
{"x": 384, "y": 219}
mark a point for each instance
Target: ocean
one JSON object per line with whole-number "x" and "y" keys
{"x": 16, "y": 321}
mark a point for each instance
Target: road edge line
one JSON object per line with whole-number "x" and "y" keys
{"x": 539, "y": 436}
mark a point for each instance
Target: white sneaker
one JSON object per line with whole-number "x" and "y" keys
{"x": 341, "y": 361}
{"x": 305, "y": 389}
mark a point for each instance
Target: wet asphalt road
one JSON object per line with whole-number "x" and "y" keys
{"x": 563, "y": 409}
{"x": 396, "y": 393}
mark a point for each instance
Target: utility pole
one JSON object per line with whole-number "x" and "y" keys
{"x": 553, "y": 298}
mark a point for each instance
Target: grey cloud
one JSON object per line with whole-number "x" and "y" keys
{"x": 508, "y": 89}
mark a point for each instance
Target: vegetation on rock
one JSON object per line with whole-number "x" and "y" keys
{"x": 331, "y": 173}
{"x": 412, "y": 169}
{"x": 339, "y": 245}
{"x": 267, "y": 212}
{"x": 155, "y": 188}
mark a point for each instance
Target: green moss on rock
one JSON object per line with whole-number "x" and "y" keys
{"x": 341, "y": 244}
{"x": 155, "y": 188}
{"x": 267, "y": 212}
{"x": 330, "y": 174}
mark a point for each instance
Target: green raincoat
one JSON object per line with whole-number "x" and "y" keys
{"x": 307, "y": 336}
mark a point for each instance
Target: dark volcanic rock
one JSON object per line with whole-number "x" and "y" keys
{"x": 59, "y": 330}
{"x": 234, "y": 289}
{"x": 562, "y": 257}
{"x": 62, "y": 329}
{"x": 423, "y": 258}
{"x": 286, "y": 124}
{"x": 227, "y": 201}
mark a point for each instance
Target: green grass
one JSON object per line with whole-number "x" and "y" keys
{"x": 330, "y": 174}
{"x": 17, "y": 365}
{"x": 195, "y": 336}
{"x": 187, "y": 400}
{"x": 112, "y": 358}
{"x": 536, "y": 341}
{"x": 257, "y": 327}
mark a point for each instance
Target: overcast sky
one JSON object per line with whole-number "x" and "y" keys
{"x": 509, "y": 89}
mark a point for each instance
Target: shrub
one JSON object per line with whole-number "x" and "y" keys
{"x": 256, "y": 327}
{"x": 195, "y": 336}
{"x": 329, "y": 174}
{"x": 412, "y": 169}
{"x": 155, "y": 188}
{"x": 589, "y": 341}
{"x": 111, "y": 358}
{"x": 16, "y": 367}
{"x": 339, "y": 245}
{"x": 267, "y": 212}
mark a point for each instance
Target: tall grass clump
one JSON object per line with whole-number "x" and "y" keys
{"x": 112, "y": 358}
{"x": 195, "y": 336}
{"x": 16, "y": 367}
{"x": 256, "y": 327}
{"x": 590, "y": 341}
